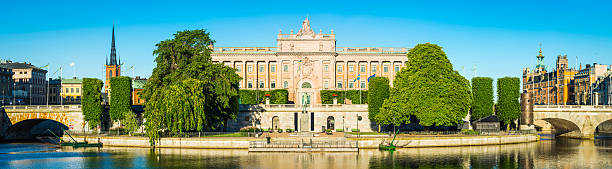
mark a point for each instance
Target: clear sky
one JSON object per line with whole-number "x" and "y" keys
{"x": 500, "y": 38}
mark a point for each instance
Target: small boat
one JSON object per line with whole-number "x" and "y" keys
{"x": 76, "y": 144}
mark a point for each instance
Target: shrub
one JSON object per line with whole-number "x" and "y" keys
{"x": 92, "y": 101}
{"x": 280, "y": 130}
{"x": 469, "y": 132}
{"x": 328, "y": 131}
{"x": 353, "y": 95}
{"x": 482, "y": 105}
{"x": 278, "y": 96}
{"x": 378, "y": 91}
{"x": 289, "y": 130}
{"x": 120, "y": 97}
{"x": 339, "y": 130}
{"x": 250, "y": 129}
{"x": 355, "y": 130}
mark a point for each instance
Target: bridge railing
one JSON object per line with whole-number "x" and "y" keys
{"x": 31, "y": 107}
{"x": 574, "y": 106}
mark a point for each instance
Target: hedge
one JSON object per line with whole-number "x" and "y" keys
{"x": 120, "y": 97}
{"x": 278, "y": 96}
{"x": 92, "y": 101}
{"x": 353, "y": 95}
{"x": 482, "y": 104}
{"x": 378, "y": 91}
{"x": 508, "y": 92}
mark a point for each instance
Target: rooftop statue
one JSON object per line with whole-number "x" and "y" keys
{"x": 306, "y": 30}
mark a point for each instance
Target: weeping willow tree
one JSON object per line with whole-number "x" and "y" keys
{"x": 187, "y": 91}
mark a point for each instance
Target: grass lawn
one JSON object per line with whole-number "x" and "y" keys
{"x": 367, "y": 133}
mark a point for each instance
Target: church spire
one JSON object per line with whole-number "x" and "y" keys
{"x": 113, "y": 54}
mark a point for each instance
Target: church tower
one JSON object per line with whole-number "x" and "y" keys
{"x": 113, "y": 68}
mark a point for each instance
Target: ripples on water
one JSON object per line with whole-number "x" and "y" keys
{"x": 560, "y": 153}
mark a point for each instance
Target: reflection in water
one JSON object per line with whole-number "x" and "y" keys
{"x": 560, "y": 153}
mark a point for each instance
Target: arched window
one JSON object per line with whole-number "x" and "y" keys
{"x": 306, "y": 85}
{"x": 275, "y": 122}
{"x": 330, "y": 122}
{"x": 110, "y": 73}
{"x": 285, "y": 84}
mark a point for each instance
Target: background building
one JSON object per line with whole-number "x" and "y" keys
{"x": 602, "y": 90}
{"x": 71, "y": 91}
{"x": 29, "y": 83}
{"x": 137, "y": 87}
{"x": 585, "y": 80}
{"x": 113, "y": 67}
{"x": 55, "y": 87}
{"x": 554, "y": 87}
{"x": 6, "y": 86}
{"x": 306, "y": 62}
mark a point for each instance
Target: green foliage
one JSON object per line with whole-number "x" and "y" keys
{"x": 289, "y": 130}
{"x": 508, "y": 107}
{"x": 378, "y": 91}
{"x": 120, "y": 97}
{"x": 187, "y": 91}
{"x": 427, "y": 90}
{"x": 278, "y": 96}
{"x": 469, "y": 132}
{"x": 130, "y": 122}
{"x": 355, "y": 130}
{"x": 482, "y": 106}
{"x": 92, "y": 101}
{"x": 280, "y": 130}
{"x": 339, "y": 130}
{"x": 353, "y": 95}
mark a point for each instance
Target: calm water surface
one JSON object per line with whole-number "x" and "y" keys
{"x": 560, "y": 153}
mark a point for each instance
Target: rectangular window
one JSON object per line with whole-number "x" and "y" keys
{"x": 273, "y": 84}
{"x": 273, "y": 68}
{"x": 238, "y": 68}
{"x": 66, "y": 90}
{"x": 373, "y": 68}
{"x": 250, "y": 68}
{"x": 77, "y": 90}
{"x": 363, "y": 68}
{"x": 363, "y": 83}
{"x": 261, "y": 68}
{"x": 339, "y": 69}
{"x": 71, "y": 90}
{"x": 286, "y": 68}
{"x": 397, "y": 68}
{"x": 386, "y": 68}
{"x": 350, "y": 85}
{"x": 351, "y": 68}
{"x": 326, "y": 68}
{"x": 250, "y": 84}
{"x": 261, "y": 84}
{"x": 339, "y": 85}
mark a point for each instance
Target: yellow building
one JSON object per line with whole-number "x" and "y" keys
{"x": 72, "y": 90}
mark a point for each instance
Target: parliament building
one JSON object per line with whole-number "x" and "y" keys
{"x": 307, "y": 62}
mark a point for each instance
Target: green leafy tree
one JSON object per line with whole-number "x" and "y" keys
{"x": 508, "y": 92}
{"x": 187, "y": 91}
{"x": 131, "y": 122}
{"x": 482, "y": 106}
{"x": 378, "y": 91}
{"x": 120, "y": 97}
{"x": 92, "y": 102}
{"x": 427, "y": 90}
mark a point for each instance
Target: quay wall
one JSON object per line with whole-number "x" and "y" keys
{"x": 364, "y": 143}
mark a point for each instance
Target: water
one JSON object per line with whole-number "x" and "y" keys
{"x": 559, "y": 153}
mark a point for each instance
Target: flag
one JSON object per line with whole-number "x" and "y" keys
{"x": 45, "y": 66}
{"x": 57, "y": 71}
{"x": 358, "y": 77}
{"x": 374, "y": 75}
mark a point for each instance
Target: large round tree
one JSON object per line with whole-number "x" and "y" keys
{"x": 427, "y": 90}
{"x": 187, "y": 91}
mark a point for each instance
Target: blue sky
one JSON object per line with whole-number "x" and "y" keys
{"x": 500, "y": 38}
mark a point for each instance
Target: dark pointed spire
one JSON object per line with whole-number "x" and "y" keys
{"x": 113, "y": 54}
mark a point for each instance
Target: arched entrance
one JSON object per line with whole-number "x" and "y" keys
{"x": 306, "y": 93}
{"x": 275, "y": 122}
{"x": 331, "y": 123}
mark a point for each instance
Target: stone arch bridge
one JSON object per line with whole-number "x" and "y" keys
{"x": 24, "y": 119}
{"x": 573, "y": 120}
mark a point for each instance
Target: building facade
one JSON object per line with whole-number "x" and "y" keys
{"x": 6, "y": 85}
{"x": 71, "y": 91}
{"x": 603, "y": 90}
{"x": 550, "y": 87}
{"x": 137, "y": 87}
{"x": 306, "y": 62}
{"x": 55, "y": 87}
{"x": 29, "y": 83}
{"x": 585, "y": 80}
{"x": 113, "y": 67}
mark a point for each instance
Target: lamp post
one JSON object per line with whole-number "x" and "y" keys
{"x": 30, "y": 93}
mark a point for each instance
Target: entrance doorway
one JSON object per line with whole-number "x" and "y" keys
{"x": 330, "y": 123}
{"x": 275, "y": 122}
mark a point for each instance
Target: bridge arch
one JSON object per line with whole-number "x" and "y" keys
{"x": 562, "y": 126}
{"x": 604, "y": 127}
{"x": 31, "y": 128}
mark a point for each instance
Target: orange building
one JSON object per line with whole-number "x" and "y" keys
{"x": 138, "y": 86}
{"x": 554, "y": 87}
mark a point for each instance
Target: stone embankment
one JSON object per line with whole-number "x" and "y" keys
{"x": 364, "y": 143}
